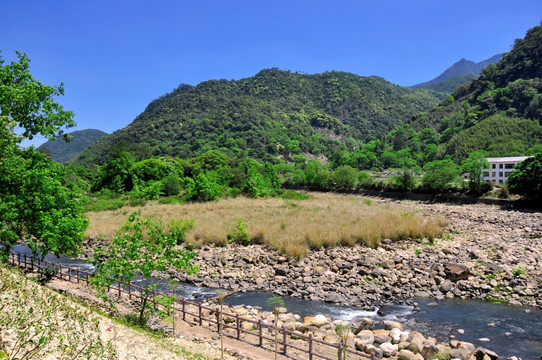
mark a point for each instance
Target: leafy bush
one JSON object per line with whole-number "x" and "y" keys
{"x": 344, "y": 177}
{"x": 140, "y": 248}
{"x": 439, "y": 174}
{"x": 526, "y": 179}
{"x": 150, "y": 190}
{"x": 172, "y": 185}
{"x": 405, "y": 181}
{"x": 239, "y": 233}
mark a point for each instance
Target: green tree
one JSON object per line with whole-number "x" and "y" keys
{"x": 142, "y": 247}
{"x": 344, "y": 177}
{"x": 474, "y": 166}
{"x": 526, "y": 179}
{"x": 34, "y": 203}
{"x": 439, "y": 174}
{"x": 317, "y": 174}
{"x": 116, "y": 175}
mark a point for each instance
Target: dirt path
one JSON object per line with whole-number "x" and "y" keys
{"x": 197, "y": 341}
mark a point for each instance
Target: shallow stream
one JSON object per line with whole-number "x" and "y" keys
{"x": 511, "y": 330}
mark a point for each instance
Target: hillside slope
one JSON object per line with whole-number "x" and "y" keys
{"x": 507, "y": 97}
{"x": 272, "y": 113}
{"x": 62, "y": 151}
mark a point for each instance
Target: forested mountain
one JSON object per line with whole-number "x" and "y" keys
{"x": 62, "y": 151}
{"x": 500, "y": 111}
{"x": 463, "y": 70}
{"x": 274, "y": 113}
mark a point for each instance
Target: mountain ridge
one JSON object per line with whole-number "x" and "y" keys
{"x": 274, "y": 112}
{"x": 462, "y": 66}
{"x": 62, "y": 151}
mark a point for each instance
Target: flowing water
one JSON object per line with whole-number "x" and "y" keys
{"x": 511, "y": 330}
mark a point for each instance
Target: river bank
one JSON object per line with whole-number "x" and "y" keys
{"x": 486, "y": 253}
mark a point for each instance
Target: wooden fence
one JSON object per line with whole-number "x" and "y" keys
{"x": 213, "y": 318}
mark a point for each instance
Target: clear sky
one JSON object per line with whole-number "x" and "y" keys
{"x": 114, "y": 57}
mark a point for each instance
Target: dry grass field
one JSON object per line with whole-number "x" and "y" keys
{"x": 292, "y": 227}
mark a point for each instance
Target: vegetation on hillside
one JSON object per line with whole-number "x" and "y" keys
{"x": 501, "y": 111}
{"x": 37, "y": 323}
{"x": 274, "y": 113}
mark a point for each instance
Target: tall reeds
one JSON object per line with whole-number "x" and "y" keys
{"x": 292, "y": 227}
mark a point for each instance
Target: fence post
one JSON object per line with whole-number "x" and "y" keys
{"x": 88, "y": 278}
{"x": 184, "y": 309}
{"x": 130, "y": 291}
{"x": 284, "y": 338}
{"x": 119, "y": 287}
{"x": 218, "y": 319}
{"x": 310, "y": 346}
{"x": 200, "y": 316}
{"x": 24, "y": 261}
{"x": 19, "y": 259}
{"x": 340, "y": 349}
{"x": 69, "y": 273}
{"x": 260, "y": 335}
{"x": 238, "y": 326}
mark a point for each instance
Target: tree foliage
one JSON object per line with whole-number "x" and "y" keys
{"x": 35, "y": 204}
{"x": 439, "y": 174}
{"x": 474, "y": 166}
{"x": 526, "y": 179}
{"x": 272, "y": 113}
{"x": 141, "y": 248}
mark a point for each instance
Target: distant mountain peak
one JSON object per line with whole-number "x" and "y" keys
{"x": 62, "y": 151}
{"x": 461, "y": 67}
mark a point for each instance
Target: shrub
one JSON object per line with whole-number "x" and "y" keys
{"x": 344, "y": 177}
{"x": 404, "y": 181}
{"x": 150, "y": 190}
{"x": 526, "y": 179}
{"x": 239, "y": 233}
{"x": 439, "y": 174}
{"x": 172, "y": 185}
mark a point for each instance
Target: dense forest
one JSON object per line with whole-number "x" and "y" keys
{"x": 272, "y": 114}
{"x": 500, "y": 111}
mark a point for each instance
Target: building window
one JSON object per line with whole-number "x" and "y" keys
{"x": 501, "y": 182}
{"x": 486, "y": 174}
{"x": 500, "y": 166}
{"x": 500, "y": 174}
{"x": 493, "y": 174}
{"x": 509, "y": 166}
{"x": 493, "y": 166}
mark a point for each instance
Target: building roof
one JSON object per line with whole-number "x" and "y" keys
{"x": 506, "y": 159}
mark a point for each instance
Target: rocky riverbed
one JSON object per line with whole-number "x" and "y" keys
{"x": 486, "y": 253}
{"x": 385, "y": 339}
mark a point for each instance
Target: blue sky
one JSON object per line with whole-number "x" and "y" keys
{"x": 114, "y": 57}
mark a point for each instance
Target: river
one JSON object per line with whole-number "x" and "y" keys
{"x": 511, "y": 330}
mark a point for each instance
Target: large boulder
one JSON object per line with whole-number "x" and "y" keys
{"x": 361, "y": 323}
{"x": 388, "y": 349}
{"x": 365, "y": 337}
{"x": 416, "y": 342}
{"x": 456, "y": 272}
{"x": 482, "y": 354}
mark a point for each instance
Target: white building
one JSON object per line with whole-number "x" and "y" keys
{"x": 501, "y": 167}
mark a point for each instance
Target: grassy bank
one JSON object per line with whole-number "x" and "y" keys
{"x": 292, "y": 227}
